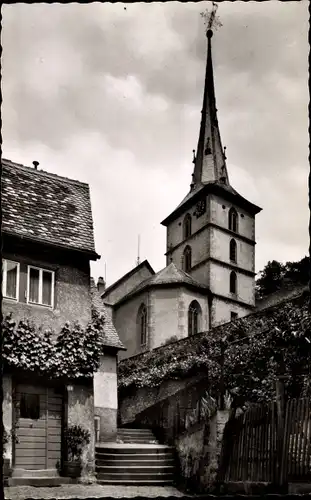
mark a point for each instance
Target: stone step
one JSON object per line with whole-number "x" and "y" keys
{"x": 129, "y": 448}
{"x": 40, "y": 481}
{"x": 136, "y": 431}
{"x": 135, "y": 436}
{"x": 134, "y": 469}
{"x": 141, "y": 457}
{"x": 36, "y": 473}
{"x": 134, "y": 440}
{"x": 135, "y": 476}
{"x": 134, "y": 462}
{"x": 137, "y": 482}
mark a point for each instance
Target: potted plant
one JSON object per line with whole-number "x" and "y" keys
{"x": 76, "y": 438}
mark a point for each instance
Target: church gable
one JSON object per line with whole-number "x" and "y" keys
{"x": 127, "y": 283}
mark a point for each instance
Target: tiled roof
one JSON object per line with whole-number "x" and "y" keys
{"x": 169, "y": 275}
{"x": 211, "y": 186}
{"x": 46, "y": 207}
{"x": 110, "y": 334}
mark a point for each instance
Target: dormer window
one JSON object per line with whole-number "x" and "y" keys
{"x": 40, "y": 287}
{"x": 233, "y": 250}
{"x": 10, "y": 279}
{"x": 233, "y": 220}
{"x": 187, "y": 259}
{"x": 187, "y": 226}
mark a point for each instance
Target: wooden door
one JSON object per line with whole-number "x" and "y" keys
{"x": 39, "y": 420}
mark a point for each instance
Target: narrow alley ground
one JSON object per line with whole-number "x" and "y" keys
{"x": 88, "y": 491}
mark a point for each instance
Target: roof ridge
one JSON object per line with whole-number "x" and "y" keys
{"x": 44, "y": 173}
{"x": 185, "y": 279}
{"x": 128, "y": 275}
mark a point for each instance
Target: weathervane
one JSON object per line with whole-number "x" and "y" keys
{"x": 210, "y": 18}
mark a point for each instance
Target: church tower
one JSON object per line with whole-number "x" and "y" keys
{"x": 211, "y": 234}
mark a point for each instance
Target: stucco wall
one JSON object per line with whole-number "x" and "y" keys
{"x": 106, "y": 396}
{"x": 72, "y": 301}
{"x": 80, "y": 411}
{"x": 220, "y": 249}
{"x": 221, "y": 311}
{"x": 165, "y": 317}
{"x": 125, "y": 322}
{"x": 187, "y": 297}
{"x": 219, "y": 216}
{"x": 7, "y": 411}
{"x": 220, "y": 283}
{"x": 175, "y": 228}
{"x": 127, "y": 285}
{"x": 199, "y": 244}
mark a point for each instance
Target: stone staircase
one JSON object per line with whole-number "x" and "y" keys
{"x": 136, "y": 459}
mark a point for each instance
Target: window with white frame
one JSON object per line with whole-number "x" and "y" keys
{"x": 40, "y": 289}
{"x": 10, "y": 279}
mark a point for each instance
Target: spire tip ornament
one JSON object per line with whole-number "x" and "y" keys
{"x": 211, "y": 21}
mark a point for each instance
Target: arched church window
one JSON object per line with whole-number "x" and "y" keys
{"x": 194, "y": 317}
{"x": 142, "y": 324}
{"x": 187, "y": 259}
{"x": 233, "y": 250}
{"x": 187, "y": 226}
{"x": 233, "y": 282}
{"x": 233, "y": 220}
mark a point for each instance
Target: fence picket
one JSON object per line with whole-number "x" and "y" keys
{"x": 306, "y": 459}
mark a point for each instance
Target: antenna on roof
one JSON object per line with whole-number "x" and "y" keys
{"x": 105, "y": 273}
{"x": 138, "y": 249}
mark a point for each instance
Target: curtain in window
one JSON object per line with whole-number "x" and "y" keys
{"x": 34, "y": 285}
{"x": 47, "y": 288}
{"x": 11, "y": 279}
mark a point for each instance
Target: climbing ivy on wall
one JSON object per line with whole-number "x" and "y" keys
{"x": 245, "y": 355}
{"x": 74, "y": 353}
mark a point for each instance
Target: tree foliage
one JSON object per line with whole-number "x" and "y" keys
{"x": 74, "y": 353}
{"x": 276, "y": 276}
{"x": 249, "y": 353}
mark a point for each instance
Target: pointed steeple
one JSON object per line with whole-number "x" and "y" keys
{"x": 210, "y": 160}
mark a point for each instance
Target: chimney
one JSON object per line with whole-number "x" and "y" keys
{"x": 101, "y": 285}
{"x": 35, "y": 164}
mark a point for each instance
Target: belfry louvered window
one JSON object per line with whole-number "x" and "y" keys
{"x": 233, "y": 282}
{"x": 233, "y": 252}
{"x": 233, "y": 220}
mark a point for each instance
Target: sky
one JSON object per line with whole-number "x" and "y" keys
{"x": 111, "y": 95}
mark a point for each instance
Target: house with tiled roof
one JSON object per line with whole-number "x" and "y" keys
{"x": 47, "y": 247}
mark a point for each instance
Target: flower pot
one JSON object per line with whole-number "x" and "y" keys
{"x": 6, "y": 470}
{"x": 72, "y": 469}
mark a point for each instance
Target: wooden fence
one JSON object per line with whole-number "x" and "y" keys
{"x": 254, "y": 450}
{"x": 297, "y": 439}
